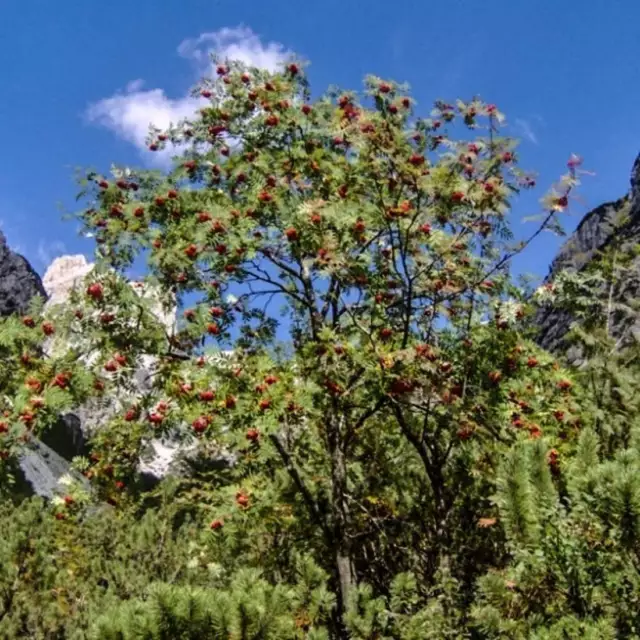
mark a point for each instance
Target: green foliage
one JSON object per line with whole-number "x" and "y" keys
{"x": 389, "y": 457}
{"x": 249, "y": 608}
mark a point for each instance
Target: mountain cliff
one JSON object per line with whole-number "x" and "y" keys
{"x": 18, "y": 281}
{"x": 618, "y": 220}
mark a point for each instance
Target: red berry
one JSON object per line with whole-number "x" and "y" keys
{"x": 130, "y": 415}
{"x": 383, "y": 87}
{"x": 216, "y": 525}
{"x": 172, "y": 193}
{"x": 120, "y": 359}
{"x": 28, "y": 321}
{"x": 457, "y": 196}
{"x": 221, "y": 70}
{"x": 207, "y": 395}
{"x": 103, "y": 184}
{"x": 33, "y": 384}
{"x": 216, "y": 312}
{"x": 507, "y": 157}
{"x": 61, "y": 380}
{"x": 246, "y": 78}
{"x": 264, "y": 404}
{"x": 191, "y": 251}
{"x": 426, "y": 229}
{"x": 272, "y": 120}
{"x": 215, "y": 130}
{"x": 495, "y": 376}
{"x": 153, "y": 147}
{"x": 230, "y": 402}
{"x": 156, "y": 418}
{"x": 205, "y": 93}
{"x": 532, "y": 362}
{"x": 111, "y": 366}
{"x": 271, "y": 379}
{"x": 213, "y": 329}
{"x": 306, "y": 109}
{"x": 565, "y": 385}
{"x": 464, "y": 432}
{"x": 562, "y": 201}
{"x": 159, "y": 201}
{"x": 242, "y": 500}
{"x": 292, "y": 234}
{"x": 253, "y": 435}
{"x": 95, "y": 291}
{"x": 416, "y": 160}
{"x": 386, "y": 333}
{"x": 200, "y": 424}
{"x": 48, "y": 329}
{"x": 265, "y": 196}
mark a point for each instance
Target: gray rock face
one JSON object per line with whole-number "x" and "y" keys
{"x": 19, "y": 283}
{"x": 595, "y": 231}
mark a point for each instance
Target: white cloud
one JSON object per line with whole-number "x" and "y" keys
{"x": 238, "y": 43}
{"x": 525, "y": 129}
{"x": 129, "y": 114}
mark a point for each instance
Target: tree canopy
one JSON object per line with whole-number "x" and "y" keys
{"x": 382, "y": 449}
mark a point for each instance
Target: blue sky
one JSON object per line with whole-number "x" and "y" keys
{"x": 81, "y": 79}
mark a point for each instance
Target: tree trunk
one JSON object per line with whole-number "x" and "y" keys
{"x": 340, "y": 512}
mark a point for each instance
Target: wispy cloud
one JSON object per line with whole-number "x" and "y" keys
{"x": 134, "y": 85}
{"x": 47, "y": 251}
{"x": 129, "y": 114}
{"x": 525, "y": 129}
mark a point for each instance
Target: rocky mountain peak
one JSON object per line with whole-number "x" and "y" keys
{"x": 63, "y": 274}
{"x": 19, "y": 282}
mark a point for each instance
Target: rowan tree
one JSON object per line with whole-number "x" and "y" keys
{"x": 367, "y": 425}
